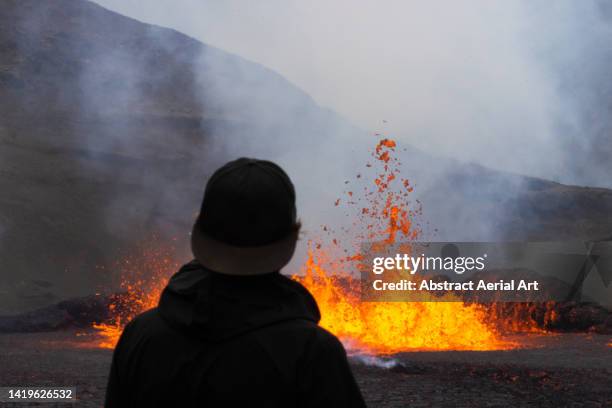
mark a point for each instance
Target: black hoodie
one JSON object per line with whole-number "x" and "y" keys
{"x": 227, "y": 341}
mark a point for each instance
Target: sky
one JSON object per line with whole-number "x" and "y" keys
{"x": 500, "y": 83}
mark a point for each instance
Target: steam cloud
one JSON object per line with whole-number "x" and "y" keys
{"x": 501, "y": 84}
{"x": 514, "y": 85}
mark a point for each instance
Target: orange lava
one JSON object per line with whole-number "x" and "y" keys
{"x": 373, "y": 327}
{"x": 391, "y": 327}
{"x": 109, "y": 333}
{"x": 370, "y": 327}
{"x": 143, "y": 276}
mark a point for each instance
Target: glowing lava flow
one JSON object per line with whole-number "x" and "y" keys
{"x": 370, "y": 327}
{"x": 143, "y": 276}
{"x": 390, "y": 327}
{"x": 373, "y": 327}
{"x": 386, "y": 216}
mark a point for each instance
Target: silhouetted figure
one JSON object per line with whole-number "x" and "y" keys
{"x": 230, "y": 330}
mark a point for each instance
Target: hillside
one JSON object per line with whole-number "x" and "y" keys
{"x": 110, "y": 126}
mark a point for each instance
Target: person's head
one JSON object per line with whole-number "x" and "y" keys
{"x": 247, "y": 223}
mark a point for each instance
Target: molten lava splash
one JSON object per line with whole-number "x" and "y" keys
{"x": 390, "y": 327}
{"x": 109, "y": 333}
{"x": 374, "y": 327}
{"x": 522, "y": 317}
{"x": 143, "y": 276}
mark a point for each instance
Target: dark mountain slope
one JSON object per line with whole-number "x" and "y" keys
{"x": 108, "y": 128}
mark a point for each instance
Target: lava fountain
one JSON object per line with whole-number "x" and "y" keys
{"x": 385, "y": 215}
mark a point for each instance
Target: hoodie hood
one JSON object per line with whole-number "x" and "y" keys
{"x": 217, "y": 307}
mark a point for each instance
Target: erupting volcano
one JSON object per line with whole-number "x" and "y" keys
{"x": 389, "y": 216}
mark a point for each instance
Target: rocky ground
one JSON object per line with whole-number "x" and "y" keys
{"x": 565, "y": 370}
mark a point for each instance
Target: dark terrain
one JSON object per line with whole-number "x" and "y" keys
{"x": 569, "y": 370}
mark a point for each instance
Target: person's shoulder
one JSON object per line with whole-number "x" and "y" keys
{"x": 146, "y": 323}
{"x": 145, "y": 319}
{"x": 323, "y": 341}
{"x": 151, "y": 315}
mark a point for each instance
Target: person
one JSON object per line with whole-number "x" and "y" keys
{"x": 230, "y": 330}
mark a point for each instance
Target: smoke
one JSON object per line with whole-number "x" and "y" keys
{"x": 378, "y": 362}
{"x": 515, "y": 86}
{"x": 147, "y": 113}
{"x": 572, "y": 39}
{"x": 89, "y": 119}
